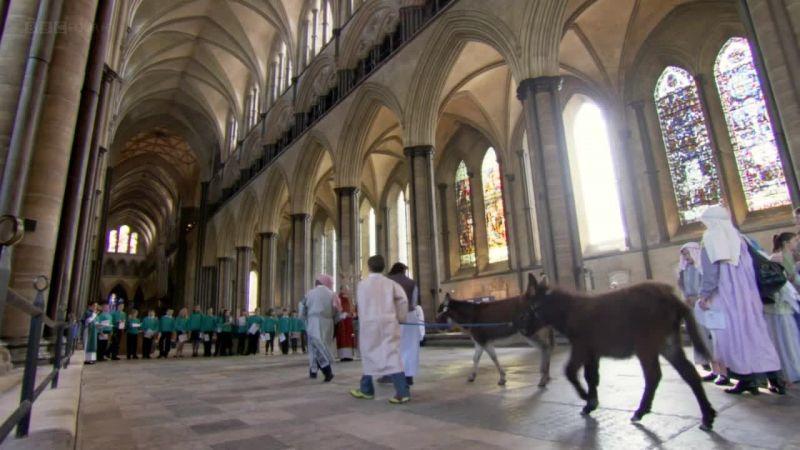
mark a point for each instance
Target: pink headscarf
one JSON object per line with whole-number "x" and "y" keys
{"x": 694, "y": 251}
{"x": 325, "y": 280}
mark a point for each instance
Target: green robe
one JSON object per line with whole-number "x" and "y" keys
{"x": 181, "y": 324}
{"x": 131, "y": 329}
{"x": 166, "y": 324}
{"x": 150, "y": 324}
{"x": 116, "y": 318}
{"x": 284, "y": 324}
{"x": 253, "y": 320}
{"x": 195, "y": 321}
{"x": 91, "y": 338}
{"x": 226, "y": 324}
{"x": 269, "y": 325}
{"x": 105, "y": 317}
{"x": 208, "y": 324}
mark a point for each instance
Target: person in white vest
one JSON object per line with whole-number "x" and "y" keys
{"x": 409, "y": 335}
{"x": 382, "y": 305}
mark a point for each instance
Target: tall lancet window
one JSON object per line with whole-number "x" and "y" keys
{"x": 319, "y": 27}
{"x": 493, "y": 205}
{"x": 593, "y": 176}
{"x": 464, "y": 223}
{"x": 232, "y": 133}
{"x": 683, "y": 127}
{"x": 282, "y": 73}
{"x": 123, "y": 240}
{"x": 749, "y": 127}
{"x": 403, "y": 237}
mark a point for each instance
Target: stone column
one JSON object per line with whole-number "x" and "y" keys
{"x": 224, "y": 288}
{"x": 555, "y": 203}
{"x": 44, "y": 190}
{"x": 424, "y": 225}
{"x": 267, "y": 265}
{"x": 443, "y": 190}
{"x": 512, "y": 229}
{"x": 527, "y": 209}
{"x": 201, "y": 235}
{"x": 161, "y": 269}
{"x": 244, "y": 257}
{"x": 651, "y": 172}
{"x": 348, "y": 238}
{"x": 301, "y": 258}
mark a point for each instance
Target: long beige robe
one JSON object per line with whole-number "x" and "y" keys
{"x": 382, "y": 305}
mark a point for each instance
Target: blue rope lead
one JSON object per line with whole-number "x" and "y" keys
{"x": 462, "y": 325}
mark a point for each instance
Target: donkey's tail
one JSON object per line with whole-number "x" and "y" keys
{"x": 694, "y": 331}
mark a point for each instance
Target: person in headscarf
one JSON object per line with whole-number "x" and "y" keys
{"x": 690, "y": 278}
{"x": 316, "y": 309}
{"x": 345, "y": 332}
{"x": 742, "y": 344}
{"x": 409, "y": 335}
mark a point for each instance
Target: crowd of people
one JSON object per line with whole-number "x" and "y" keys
{"x": 105, "y": 330}
{"x": 753, "y": 338}
{"x": 389, "y": 330}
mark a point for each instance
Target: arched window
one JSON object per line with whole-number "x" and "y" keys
{"x": 319, "y": 27}
{"x": 333, "y": 262}
{"x": 593, "y": 176}
{"x": 368, "y": 241}
{"x": 252, "y": 294}
{"x": 252, "y": 107}
{"x": 403, "y": 238}
{"x": 493, "y": 205}
{"x": 231, "y": 133}
{"x": 373, "y": 241}
{"x": 122, "y": 240}
{"x": 464, "y": 223}
{"x": 749, "y": 127}
{"x": 691, "y": 164}
{"x": 281, "y": 76}
{"x": 112, "y": 241}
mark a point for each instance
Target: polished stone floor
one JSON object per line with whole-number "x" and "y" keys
{"x": 264, "y": 402}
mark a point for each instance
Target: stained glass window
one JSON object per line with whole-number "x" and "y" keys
{"x": 402, "y": 229}
{"x": 749, "y": 127}
{"x": 252, "y": 294}
{"x": 464, "y": 223}
{"x": 373, "y": 242}
{"x": 112, "y": 241}
{"x": 691, "y": 163}
{"x": 134, "y": 245}
{"x": 124, "y": 235}
{"x": 493, "y": 204}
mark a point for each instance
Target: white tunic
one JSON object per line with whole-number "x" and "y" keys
{"x": 409, "y": 340}
{"x": 382, "y": 305}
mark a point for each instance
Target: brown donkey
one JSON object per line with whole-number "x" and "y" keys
{"x": 512, "y": 316}
{"x": 642, "y": 320}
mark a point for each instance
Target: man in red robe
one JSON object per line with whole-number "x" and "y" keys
{"x": 345, "y": 334}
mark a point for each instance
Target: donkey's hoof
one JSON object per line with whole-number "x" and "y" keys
{"x": 502, "y": 382}
{"x": 708, "y": 421}
{"x": 637, "y": 416}
{"x": 543, "y": 382}
{"x": 591, "y": 405}
{"x": 471, "y": 378}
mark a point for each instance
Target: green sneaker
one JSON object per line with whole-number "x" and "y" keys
{"x": 399, "y": 400}
{"x": 358, "y": 394}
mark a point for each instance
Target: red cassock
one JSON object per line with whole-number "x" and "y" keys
{"x": 345, "y": 334}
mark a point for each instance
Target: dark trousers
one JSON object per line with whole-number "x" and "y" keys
{"x": 102, "y": 348}
{"x": 225, "y": 343}
{"x": 285, "y": 346}
{"x": 294, "y": 344}
{"x": 303, "y": 340}
{"x": 241, "y": 339}
{"x": 130, "y": 345}
{"x": 164, "y": 343}
{"x": 207, "y": 346}
{"x": 252, "y": 344}
{"x": 116, "y": 339}
{"x": 269, "y": 345}
{"x": 147, "y": 347}
{"x": 218, "y": 347}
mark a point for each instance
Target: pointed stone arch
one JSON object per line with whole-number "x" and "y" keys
{"x": 315, "y": 150}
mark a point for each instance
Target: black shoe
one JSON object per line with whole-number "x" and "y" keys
{"x": 777, "y": 386}
{"x": 89, "y": 363}
{"x": 312, "y": 375}
{"x": 743, "y": 386}
{"x": 723, "y": 381}
{"x": 709, "y": 377}
{"x": 328, "y": 373}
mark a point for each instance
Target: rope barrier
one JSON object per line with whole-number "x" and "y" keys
{"x": 462, "y": 325}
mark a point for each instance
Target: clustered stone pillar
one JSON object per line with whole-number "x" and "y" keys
{"x": 244, "y": 258}
{"x": 224, "y": 289}
{"x": 208, "y": 287}
{"x": 267, "y": 271}
{"x": 301, "y": 258}
{"x": 47, "y": 175}
{"x": 555, "y": 211}
{"x": 425, "y": 252}
{"x": 200, "y": 235}
{"x": 348, "y": 239}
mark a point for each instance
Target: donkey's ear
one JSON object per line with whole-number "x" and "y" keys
{"x": 544, "y": 283}
{"x": 532, "y": 284}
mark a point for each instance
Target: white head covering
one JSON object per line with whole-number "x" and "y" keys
{"x": 694, "y": 251}
{"x": 721, "y": 240}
